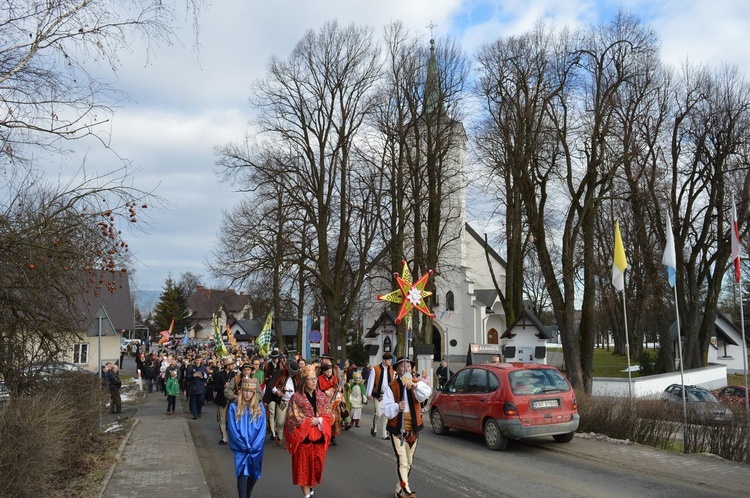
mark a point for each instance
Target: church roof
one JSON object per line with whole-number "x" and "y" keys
{"x": 480, "y": 241}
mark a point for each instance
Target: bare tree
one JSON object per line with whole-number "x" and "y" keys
{"x": 48, "y": 91}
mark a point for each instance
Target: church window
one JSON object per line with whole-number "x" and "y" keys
{"x": 450, "y": 305}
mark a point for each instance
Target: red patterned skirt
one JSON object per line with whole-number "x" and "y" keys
{"x": 307, "y": 464}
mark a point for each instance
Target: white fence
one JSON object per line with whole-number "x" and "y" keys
{"x": 710, "y": 377}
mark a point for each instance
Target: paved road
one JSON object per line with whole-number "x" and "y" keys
{"x": 460, "y": 465}
{"x": 177, "y": 456}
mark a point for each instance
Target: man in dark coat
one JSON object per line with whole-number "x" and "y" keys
{"x": 221, "y": 380}
{"x": 114, "y": 384}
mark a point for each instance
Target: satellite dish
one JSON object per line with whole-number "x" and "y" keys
{"x": 453, "y": 343}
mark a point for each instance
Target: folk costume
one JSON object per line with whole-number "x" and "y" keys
{"x": 305, "y": 441}
{"x": 220, "y": 380}
{"x": 247, "y": 438}
{"x": 377, "y": 382}
{"x": 330, "y": 386}
{"x": 279, "y": 391}
{"x": 401, "y": 407}
{"x": 356, "y": 398}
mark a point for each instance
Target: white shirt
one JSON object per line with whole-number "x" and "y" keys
{"x": 389, "y": 407}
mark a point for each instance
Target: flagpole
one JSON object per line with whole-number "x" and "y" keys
{"x": 627, "y": 346}
{"x": 744, "y": 367}
{"x": 686, "y": 430}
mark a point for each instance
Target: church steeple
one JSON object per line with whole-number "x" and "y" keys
{"x": 432, "y": 99}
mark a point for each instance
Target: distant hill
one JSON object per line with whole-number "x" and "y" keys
{"x": 146, "y": 300}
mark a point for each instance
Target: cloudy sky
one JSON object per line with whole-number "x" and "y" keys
{"x": 185, "y": 102}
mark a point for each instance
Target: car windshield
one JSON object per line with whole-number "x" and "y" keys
{"x": 700, "y": 395}
{"x": 536, "y": 381}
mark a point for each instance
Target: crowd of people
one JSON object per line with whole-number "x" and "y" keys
{"x": 302, "y": 407}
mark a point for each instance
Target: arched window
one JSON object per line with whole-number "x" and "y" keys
{"x": 387, "y": 344}
{"x": 449, "y": 302}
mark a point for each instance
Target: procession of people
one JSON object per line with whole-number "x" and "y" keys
{"x": 282, "y": 399}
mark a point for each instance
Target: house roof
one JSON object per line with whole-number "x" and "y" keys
{"x": 480, "y": 241}
{"x": 544, "y": 332}
{"x": 117, "y": 302}
{"x": 723, "y": 327}
{"x": 386, "y": 318}
{"x": 254, "y": 326}
{"x": 205, "y": 301}
{"x": 486, "y": 297}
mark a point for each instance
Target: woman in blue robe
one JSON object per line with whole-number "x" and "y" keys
{"x": 246, "y": 424}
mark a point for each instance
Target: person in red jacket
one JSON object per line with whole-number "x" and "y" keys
{"x": 329, "y": 384}
{"x": 308, "y": 432}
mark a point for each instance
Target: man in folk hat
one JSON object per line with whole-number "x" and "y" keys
{"x": 221, "y": 380}
{"x": 377, "y": 382}
{"x": 273, "y": 364}
{"x": 279, "y": 390}
{"x": 232, "y": 389}
{"x": 400, "y": 406}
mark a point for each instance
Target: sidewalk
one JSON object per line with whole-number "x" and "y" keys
{"x": 157, "y": 457}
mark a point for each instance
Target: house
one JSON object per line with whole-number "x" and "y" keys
{"x": 526, "y": 338}
{"x": 725, "y": 347}
{"x": 106, "y": 314}
{"x": 246, "y": 331}
{"x": 226, "y": 305}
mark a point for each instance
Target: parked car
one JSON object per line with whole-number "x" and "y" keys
{"x": 702, "y": 406}
{"x": 731, "y": 394}
{"x": 57, "y": 368}
{"x": 507, "y": 401}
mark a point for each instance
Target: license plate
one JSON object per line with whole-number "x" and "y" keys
{"x": 546, "y": 403}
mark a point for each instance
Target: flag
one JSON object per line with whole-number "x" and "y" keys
{"x": 670, "y": 258}
{"x": 620, "y": 262}
{"x": 264, "y": 338}
{"x": 221, "y": 349}
{"x": 735, "y": 243}
{"x": 230, "y": 337}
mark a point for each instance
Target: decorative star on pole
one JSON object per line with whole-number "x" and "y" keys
{"x": 410, "y": 296}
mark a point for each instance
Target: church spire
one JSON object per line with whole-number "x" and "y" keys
{"x": 432, "y": 88}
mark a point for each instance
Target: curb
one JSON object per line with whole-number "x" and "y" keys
{"x": 118, "y": 456}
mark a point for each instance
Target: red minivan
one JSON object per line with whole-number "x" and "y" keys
{"x": 507, "y": 401}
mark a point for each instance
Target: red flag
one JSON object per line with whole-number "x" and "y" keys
{"x": 735, "y": 244}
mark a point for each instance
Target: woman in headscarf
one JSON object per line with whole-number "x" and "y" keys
{"x": 308, "y": 432}
{"x": 246, "y": 425}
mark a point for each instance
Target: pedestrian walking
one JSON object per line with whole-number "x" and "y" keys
{"x": 173, "y": 389}
{"x": 400, "y": 405}
{"x": 114, "y": 384}
{"x": 246, "y": 424}
{"x": 329, "y": 384}
{"x": 377, "y": 382}
{"x": 197, "y": 378}
{"x": 220, "y": 381}
{"x": 308, "y": 432}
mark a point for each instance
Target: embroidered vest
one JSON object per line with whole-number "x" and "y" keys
{"x": 377, "y": 387}
{"x": 394, "y": 424}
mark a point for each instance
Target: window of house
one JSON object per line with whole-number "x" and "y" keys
{"x": 81, "y": 353}
{"x": 449, "y": 301}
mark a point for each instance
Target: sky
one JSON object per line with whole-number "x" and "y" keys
{"x": 185, "y": 102}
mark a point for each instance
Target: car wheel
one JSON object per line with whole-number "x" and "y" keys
{"x": 564, "y": 438}
{"x": 493, "y": 437}
{"x": 438, "y": 427}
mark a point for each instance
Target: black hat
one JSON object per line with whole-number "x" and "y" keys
{"x": 275, "y": 353}
{"x": 326, "y": 356}
{"x": 292, "y": 367}
{"x": 246, "y": 365}
{"x": 404, "y": 358}
{"x": 387, "y": 356}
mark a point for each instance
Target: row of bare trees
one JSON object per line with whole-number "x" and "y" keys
{"x": 354, "y": 162}
{"x": 585, "y": 128}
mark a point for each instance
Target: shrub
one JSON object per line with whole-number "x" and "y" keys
{"x": 46, "y": 435}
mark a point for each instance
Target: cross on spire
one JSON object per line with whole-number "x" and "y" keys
{"x": 432, "y": 26}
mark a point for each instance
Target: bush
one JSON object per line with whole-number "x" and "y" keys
{"x": 655, "y": 423}
{"x": 50, "y": 432}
